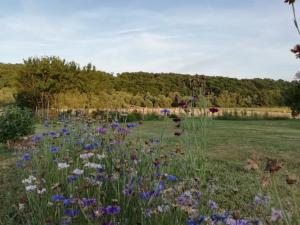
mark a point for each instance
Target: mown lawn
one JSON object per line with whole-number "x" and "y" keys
{"x": 228, "y": 145}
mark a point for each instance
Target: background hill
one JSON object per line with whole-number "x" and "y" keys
{"x": 74, "y": 86}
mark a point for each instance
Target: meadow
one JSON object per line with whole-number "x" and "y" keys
{"x": 155, "y": 174}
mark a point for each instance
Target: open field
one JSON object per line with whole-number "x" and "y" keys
{"x": 228, "y": 145}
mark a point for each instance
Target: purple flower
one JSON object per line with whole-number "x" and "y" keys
{"x": 146, "y": 195}
{"x": 191, "y": 222}
{"x": 37, "y": 138}
{"x": 52, "y": 134}
{"x": 165, "y": 111}
{"x": 65, "y": 131}
{"x": 88, "y": 202}
{"x": 128, "y": 190}
{"x": 212, "y": 204}
{"x": 54, "y": 149}
{"x": 261, "y": 200}
{"x": 26, "y": 157}
{"x": 19, "y": 165}
{"x": 71, "y": 212}
{"x": 101, "y": 130}
{"x": 72, "y": 178}
{"x": 161, "y": 186}
{"x": 276, "y": 215}
{"x": 68, "y": 201}
{"x": 132, "y": 125}
{"x": 237, "y": 222}
{"x": 220, "y": 217}
{"x": 109, "y": 210}
{"x": 171, "y": 178}
{"x": 115, "y": 125}
{"x": 88, "y": 147}
{"x": 123, "y": 131}
{"x": 196, "y": 221}
{"x": 57, "y": 198}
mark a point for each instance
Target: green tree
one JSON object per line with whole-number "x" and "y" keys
{"x": 293, "y": 98}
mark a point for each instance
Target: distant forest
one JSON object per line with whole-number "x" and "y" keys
{"x": 54, "y": 82}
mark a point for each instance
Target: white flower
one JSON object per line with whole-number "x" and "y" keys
{"x": 50, "y": 204}
{"x": 102, "y": 156}
{"x": 63, "y": 165}
{"x": 78, "y": 172}
{"x": 43, "y": 190}
{"x": 93, "y": 165}
{"x": 86, "y": 155}
{"x": 30, "y": 187}
{"x": 29, "y": 180}
{"x": 21, "y": 206}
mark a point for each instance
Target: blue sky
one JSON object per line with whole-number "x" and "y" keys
{"x": 235, "y": 38}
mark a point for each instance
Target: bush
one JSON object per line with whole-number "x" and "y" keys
{"x": 15, "y": 123}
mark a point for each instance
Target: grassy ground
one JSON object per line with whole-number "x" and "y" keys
{"x": 229, "y": 145}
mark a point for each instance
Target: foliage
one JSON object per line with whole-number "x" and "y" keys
{"x": 61, "y": 84}
{"x": 293, "y": 98}
{"x": 15, "y": 123}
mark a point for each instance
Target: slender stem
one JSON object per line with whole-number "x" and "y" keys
{"x": 295, "y": 18}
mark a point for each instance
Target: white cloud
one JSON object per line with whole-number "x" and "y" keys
{"x": 250, "y": 41}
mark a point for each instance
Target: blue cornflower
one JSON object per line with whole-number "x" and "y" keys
{"x": 191, "y": 222}
{"x": 146, "y": 195}
{"x": 165, "y": 111}
{"x": 72, "y": 178}
{"x": 37, "y": 138}
{"x": 88, "y": 147}
{"x": 88, "y": 201}
{"x": 171, "y": 178}
{"x": 68, "y": 201}
{"x": 52, "y": 134}
{"x": 19, "y": 165}
{"x": 26, "y": 157}
{"x": 161, "y": 186}
{"x": 196, "y": 221}
{"x": 101, "y": 130}
{"x": 212, "y": 204}
{"x": 65, "y": 131}
{"x": 115, "y": 125}
{"x": 111, "y": 210}
{"x": 71, "y": 212}
{"x": 261, "y": 200}
{"x": 57, "y": 198}
{"x": 108, "y": 210}
{"x": 220, "y": 218}
{"x": 132, "y": 125}
{"x": 54, "y": 149}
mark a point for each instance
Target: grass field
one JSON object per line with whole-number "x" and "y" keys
{"x": 228, "y": 145}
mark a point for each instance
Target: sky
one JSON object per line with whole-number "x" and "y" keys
{"x": 234, "y": 38}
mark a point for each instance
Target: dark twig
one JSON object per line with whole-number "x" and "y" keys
{"x": 295, "y": 18}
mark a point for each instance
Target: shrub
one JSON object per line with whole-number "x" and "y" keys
{"x": 15, "y": 123}
{"x": 132, "y": 117}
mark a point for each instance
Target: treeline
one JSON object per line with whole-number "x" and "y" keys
{"x": 54, "y": 82}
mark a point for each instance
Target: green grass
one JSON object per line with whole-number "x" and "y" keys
{"x": 229, "y": 145}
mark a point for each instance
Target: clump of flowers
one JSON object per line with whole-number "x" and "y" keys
{"x": 104, "y": 176}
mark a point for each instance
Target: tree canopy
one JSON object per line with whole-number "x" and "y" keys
{"x": 55, "y": 82}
